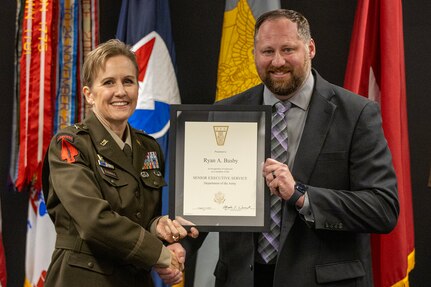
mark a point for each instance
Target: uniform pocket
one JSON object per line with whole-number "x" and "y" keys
{"x": 153, "y": 178}
{"x": 112, "y": 177}
{"x": 90, "y": 263}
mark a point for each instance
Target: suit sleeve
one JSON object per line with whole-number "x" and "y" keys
{"x": 370, "y": 204}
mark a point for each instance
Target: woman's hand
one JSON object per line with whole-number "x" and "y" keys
{"x": 173, "y": 274}
{"x": 172, "y": 230}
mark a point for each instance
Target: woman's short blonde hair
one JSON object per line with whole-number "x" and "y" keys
{"x": 97, "y": 58}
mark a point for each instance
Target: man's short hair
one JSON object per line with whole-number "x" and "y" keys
{"x": 296, "y": 17}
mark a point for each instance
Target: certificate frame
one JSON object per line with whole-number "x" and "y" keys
{"x": 215, "y": 193}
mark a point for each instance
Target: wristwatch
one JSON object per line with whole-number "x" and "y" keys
{"x": 299, "y": 191}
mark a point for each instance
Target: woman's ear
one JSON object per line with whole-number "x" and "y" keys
{"x": 88, "y": 95}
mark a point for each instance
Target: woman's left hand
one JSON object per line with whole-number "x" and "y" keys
{"x": 172, "y": 230}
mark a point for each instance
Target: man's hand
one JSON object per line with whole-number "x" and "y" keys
{"x": 278, "y": 178}
{"x": 173, "y": 274}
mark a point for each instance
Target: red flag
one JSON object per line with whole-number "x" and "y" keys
{"x": 37, "y": 74}
{"x": 376, "y": 69}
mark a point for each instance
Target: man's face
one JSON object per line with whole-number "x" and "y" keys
{"x": 283, "y": 60}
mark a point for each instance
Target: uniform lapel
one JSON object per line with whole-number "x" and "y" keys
{"x": 138, "y": 146}
{"x": 106, "y": 146}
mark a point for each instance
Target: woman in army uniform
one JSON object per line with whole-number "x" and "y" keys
{"x": 104, "y": 180}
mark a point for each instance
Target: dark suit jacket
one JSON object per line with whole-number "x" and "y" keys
{"x": 102, "y": 207}
{"x": 344, "y": 159}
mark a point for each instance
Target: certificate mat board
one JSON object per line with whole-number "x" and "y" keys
{"x": 216, "y": 156}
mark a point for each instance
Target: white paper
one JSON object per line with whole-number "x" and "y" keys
{"x": 220, "y": 177}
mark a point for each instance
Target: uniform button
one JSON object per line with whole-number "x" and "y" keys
{"x": 90, "y": 264}
{"x": 155, "y": 182}
{"x": 251, "y": 267}
{"x": 112, "y": 181}
{"x": 138, "y": 215}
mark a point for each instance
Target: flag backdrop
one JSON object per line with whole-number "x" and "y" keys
{"x": 375, "y": 69}
{"x": 146, "y": 25}
{"x": 51, "y": 39}
{"x": 236, "y": 68}
{"x": 36, "y": 93}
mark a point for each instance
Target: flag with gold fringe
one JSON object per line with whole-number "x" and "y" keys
{"x": 376, "y": 69}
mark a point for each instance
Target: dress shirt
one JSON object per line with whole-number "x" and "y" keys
{"x": 295, "y": 118}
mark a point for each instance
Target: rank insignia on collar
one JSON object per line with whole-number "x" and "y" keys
{"x": 151, "y": 161}
{"x": 104, "y": 142}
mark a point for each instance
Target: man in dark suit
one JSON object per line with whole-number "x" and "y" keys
{"x": 336, "y": 183}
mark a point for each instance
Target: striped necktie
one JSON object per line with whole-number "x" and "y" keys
{"x": 268, "y": 243}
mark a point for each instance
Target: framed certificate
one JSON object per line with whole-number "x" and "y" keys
{"x": 215, "y": 176}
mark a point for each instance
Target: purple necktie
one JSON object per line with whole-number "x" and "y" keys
{"x": 268, "y": 243}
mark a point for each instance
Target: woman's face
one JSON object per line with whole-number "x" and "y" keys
{"x": 114, "y": 92}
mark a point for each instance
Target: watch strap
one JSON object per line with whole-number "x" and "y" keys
{"x": 294, "y": 198}
{"x": 299, "y": 191}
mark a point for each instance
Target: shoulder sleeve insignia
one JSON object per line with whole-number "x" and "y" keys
{"x": 68, "y": 150}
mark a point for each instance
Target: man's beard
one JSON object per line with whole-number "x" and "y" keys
{"x": 284, "y": 87}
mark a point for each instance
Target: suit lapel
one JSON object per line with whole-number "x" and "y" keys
{"x": 319, "y": 119}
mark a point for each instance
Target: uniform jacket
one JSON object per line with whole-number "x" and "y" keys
{"x": 102, "y": 206}
{"x": 344, "y": 159}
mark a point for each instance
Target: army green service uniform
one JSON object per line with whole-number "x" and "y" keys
{"x": 102, "y": 207}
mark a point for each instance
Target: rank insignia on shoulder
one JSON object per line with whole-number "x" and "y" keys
{"x": 151, "y": 161}
{"x": 68, "y": 150}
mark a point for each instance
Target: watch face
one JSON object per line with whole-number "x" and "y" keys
{"x": 302, "y": 188}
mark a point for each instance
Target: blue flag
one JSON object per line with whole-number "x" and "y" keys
{"x": 146, "y": 26}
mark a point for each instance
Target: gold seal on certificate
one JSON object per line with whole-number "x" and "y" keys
{"x": 215, "y": 166}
